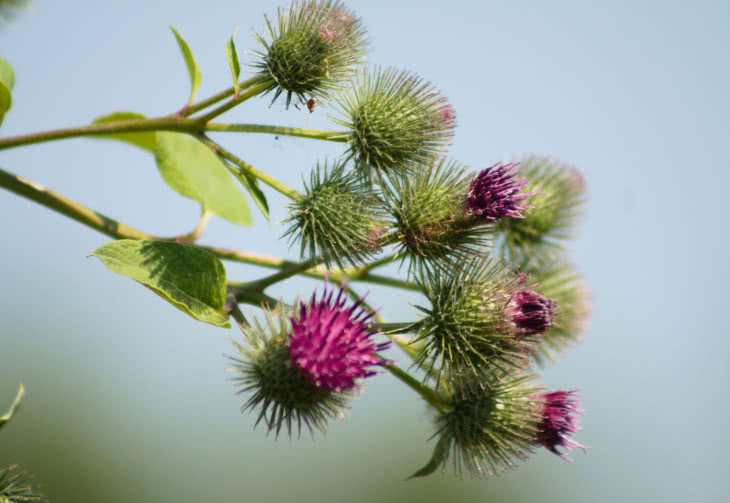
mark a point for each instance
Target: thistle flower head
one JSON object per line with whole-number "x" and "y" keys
{"x": 396, "y": 120}
{"x": 558, "y": 280}
{"x": 468, "y": 327}
{"x": 302, "y": 367}
{"x": 339, "y": 218}
{"x": 332, "y": 343}
{"x": 559, "y": 422}
{"x": 427, "y": 206}
{"x": 495, "y": 193}
{"x": 531, "y": 312}
{"x": 557, "y": 194}
{"x": 488, "y": 427}
{"x": 313, "y": 49}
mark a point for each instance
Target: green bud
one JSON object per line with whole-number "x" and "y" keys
{"x": 491, "y": 423}
{"x": 15, "y": 487}
{"x": 284, "y": 395}
{"x": 338, "y": 218}
{"x": 314, "y": 48}
{"x": 428, "y": 206}
{"x": 396, "y": 120}
{"x": 467, "y": 328}
{"x": 555, "y": 208}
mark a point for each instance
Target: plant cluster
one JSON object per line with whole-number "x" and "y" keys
{"x": 483, "y": 247}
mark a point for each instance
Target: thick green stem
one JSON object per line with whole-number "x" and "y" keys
{"x": 430, "y": 395}
{"x": 336, "y": 136}
{"x": 261, "y": 85}
{"x": 216, "y": 98}
{"x": 72, "y": 209}
{"x": 131, "y": 126}
{"x": 243, "y": 165}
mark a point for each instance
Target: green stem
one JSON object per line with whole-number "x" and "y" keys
{"x": 219, "y": 97}
{"x": 430, "y": 395}
{"x": 243, "y": 165}
{"x": 284, "y": 274}
{"x": 130, "y": 126}
{"x": 336, "y": 136}
{"x": 261, "y": 84}
{"x": 72, "y": 209}
{"x": 192, "y": 236}
{"x": 116, "y": 230}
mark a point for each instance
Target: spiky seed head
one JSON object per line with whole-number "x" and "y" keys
{"x": 313, "y": 49}
{"x": 559, "y": 280}
{"x": 397, "y": 122}
{"x": 531, "y": 313}
{"x": 558, "y": 194}
{"x": 339, "y": 218}
{"x": 495, "y": 193}
{"x": 428, "y": 208}
{"x": 303, "y": 366}
{"x": 15, "y": 487}
{"x": 467, "y": 328}
{"x": 490, "y": 425}
{"x": 560, "y": 420}
{"x": 285, "y": 396}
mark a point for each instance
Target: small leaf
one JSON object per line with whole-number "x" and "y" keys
{"x": 194, "y": 171}
{"x": 14, "y": 407}
{"x": 196, "y": 77}
{"x": 145, "y": 140}
{"x": 233, "y": 62}
{"x": 191, "y": 279}
{"x": 251, "y": 184}
{"x": 439, "y": 454}
{"x": 7, "y": 82}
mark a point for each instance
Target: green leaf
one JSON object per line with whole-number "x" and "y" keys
{"x": 233, "y": 62}
{"x": 14, "y": 407}
{"x": 251, "y": 184}
{"x": 194, "y": 171}
{"x": 7, "y": 82}
{"x": 439, "y": 455}
{"x": 196, "y": 77}
{"x": 146, "y": 140}
{"x": 191, "y": 279}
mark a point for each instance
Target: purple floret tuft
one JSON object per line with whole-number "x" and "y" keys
{"x": 332, "y": 344}
{"x": 559, "y": 422}
{"x": 494, "y": 193}
{"x": 531, "y": 312}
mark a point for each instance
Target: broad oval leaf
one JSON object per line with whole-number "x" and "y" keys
{"x": 13, "y": 407}
{"x": 194, "y": 171}
{"x": 196, "y": 77}
{"x": 146, "y": 140}
{"x": 232, "y": 55}
{"x": 191, "y": 279}
{"x": 7, "y": 82}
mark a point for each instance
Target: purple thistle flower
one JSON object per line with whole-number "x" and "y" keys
{"x": 531, "y": 312}
{"x": 332, "y": 344}
{"x": 559, "y": 422}
{"x": 494, "y": 193}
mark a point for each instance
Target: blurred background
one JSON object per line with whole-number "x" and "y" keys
{"x": 128, "y": 399}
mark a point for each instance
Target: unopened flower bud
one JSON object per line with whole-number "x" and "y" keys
{"x": 336, "y": 217}
{"x": 317, "y": 48}
{"x": 397, "y": 122}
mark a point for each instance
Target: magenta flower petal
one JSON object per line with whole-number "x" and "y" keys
{"x": 559, "y": 422}
{"x": 531, "y": 312}
{"x": 332, "y": 343}
{"x": 495, "y": 193}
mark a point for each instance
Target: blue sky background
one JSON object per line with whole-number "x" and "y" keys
{"x": 128, "y": 399}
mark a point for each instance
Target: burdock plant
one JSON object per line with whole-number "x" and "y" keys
{"x": 484, "y": 248}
